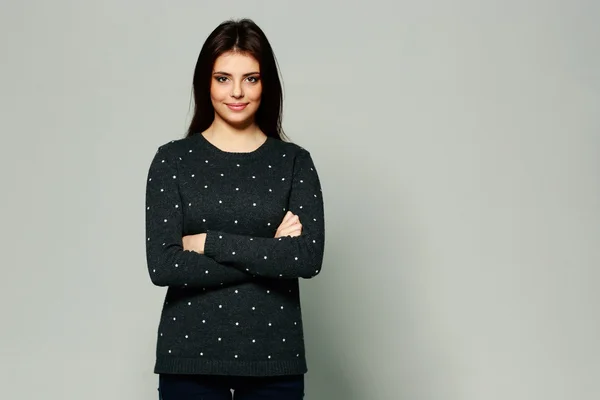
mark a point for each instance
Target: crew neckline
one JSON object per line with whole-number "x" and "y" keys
{"x": 233, "y": 154}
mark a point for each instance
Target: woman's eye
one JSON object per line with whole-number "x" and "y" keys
{"x": 221, "y": 79}
{"x": 253, "y": 79}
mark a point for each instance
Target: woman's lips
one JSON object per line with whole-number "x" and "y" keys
{"x": 237, "y": 106}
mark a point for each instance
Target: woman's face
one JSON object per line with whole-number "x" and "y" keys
{"x": 236, "y": 88}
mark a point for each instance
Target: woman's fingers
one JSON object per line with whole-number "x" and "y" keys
{"x": 294, "y": 230}
{"x": 287, "y": 216}
{"x": 290, "y": 226}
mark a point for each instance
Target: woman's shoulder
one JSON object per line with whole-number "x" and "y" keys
{"x": 176, "y": 147}
{"x": 292, "y": 147}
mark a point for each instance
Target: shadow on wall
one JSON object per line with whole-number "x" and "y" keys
{"x": 398, "y": 349}
{"x": 326, "y": 380}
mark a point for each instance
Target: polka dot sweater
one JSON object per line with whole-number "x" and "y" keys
{"x": 234, "y": 310}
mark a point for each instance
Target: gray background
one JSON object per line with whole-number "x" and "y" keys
{"x": 458, "y": 146}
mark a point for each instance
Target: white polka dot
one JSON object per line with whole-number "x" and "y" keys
{"x": 176, "y": 265}
{"x": 174, "y": 318}
{"x": 237, "y": 324}
{"x": 282, "y": 307}
{"x": 269, "y": 356}
{"x": 253, "y": 308}
{"x": 220, "y": 201}
{"x": 190, "y": 204}
{"x": 220, "y": 306}
{"x": 301, "y": 181}
{"x": 165, "y": 220}
{"x": 237, "y": 188}
{"x": 238, "y": 165}
{"x": 236, "y": 356}
{"x": 269, "y": 324}
{"x": 269, "y": 224}
{"x": 219, "y": 339}
{"x": 190, "y": 150}
{"x": 253, "y": 340}
{"x": 205, "y": 186}
{"x": 222, "y": 175}
{"x": 236, "y": 291}
{"x": 162, "y": 190}
{"x": 283, "y": 179}
{"x": 206, "y": 161}
{"x": 270, "y": 190}
{"x": 233, "y": 252}
{"x": 203, "y": 220}
{"x": 176, "y": 205}
{"x": 186, "y": 336}
{"x": 235, "y": 221}
{"x": 265, "y": 257}
{"x": 162, "y": 160}
{"x": 174, "y": 177}
{"x": 206, "y": 272}
{"x": 201, "y": 354}
{"x": 193, "y": 175}
{"x": 254, "y": 204}
{"x": 283, "y": 340}
{"x": 296, "y": 258}
{"x": 153, "y": 270}
{"x": 169, "y": 351}
{"x": 203, "y": 321}
{"x": 189, "y": 303}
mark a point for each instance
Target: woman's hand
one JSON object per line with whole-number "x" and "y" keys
{"x": 194, "y": 242}
{"x": 290, "y": 226}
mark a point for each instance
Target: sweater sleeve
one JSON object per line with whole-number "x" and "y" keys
{"x": 286, "y": 257}
{"x": 168, "y": 263}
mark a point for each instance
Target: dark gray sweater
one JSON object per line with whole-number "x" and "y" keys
{"x": 234, "y": 310}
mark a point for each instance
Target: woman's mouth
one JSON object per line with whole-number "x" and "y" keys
{"x": 237, "y": 106}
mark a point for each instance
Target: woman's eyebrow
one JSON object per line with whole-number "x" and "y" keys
{"x": 228, "y": 74}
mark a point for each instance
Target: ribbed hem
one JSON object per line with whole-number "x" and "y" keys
{"x": 210, "y": 243}
{"x": 171, "y": 365}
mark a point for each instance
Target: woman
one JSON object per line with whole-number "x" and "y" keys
{"x": 234, "y": 217}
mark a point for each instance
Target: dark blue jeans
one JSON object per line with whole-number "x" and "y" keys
{"x": 208, "y": 387}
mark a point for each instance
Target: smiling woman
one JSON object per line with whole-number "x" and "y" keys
{"x": 236, "y": 89}
{"x": 234, "y": 218}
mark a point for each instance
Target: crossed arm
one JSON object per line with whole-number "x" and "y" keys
{"x": 216, "y": 258}
{"x": 290, "y": 226}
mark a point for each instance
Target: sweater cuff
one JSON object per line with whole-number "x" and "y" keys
{"x": 210, "y": 244}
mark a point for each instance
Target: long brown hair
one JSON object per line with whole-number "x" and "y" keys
{"x": 245, "y": 37}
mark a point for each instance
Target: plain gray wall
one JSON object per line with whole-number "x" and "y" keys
{"x": 458, "y": 147}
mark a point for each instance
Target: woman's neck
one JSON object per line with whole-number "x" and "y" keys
{"x": 228, "y": 138}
